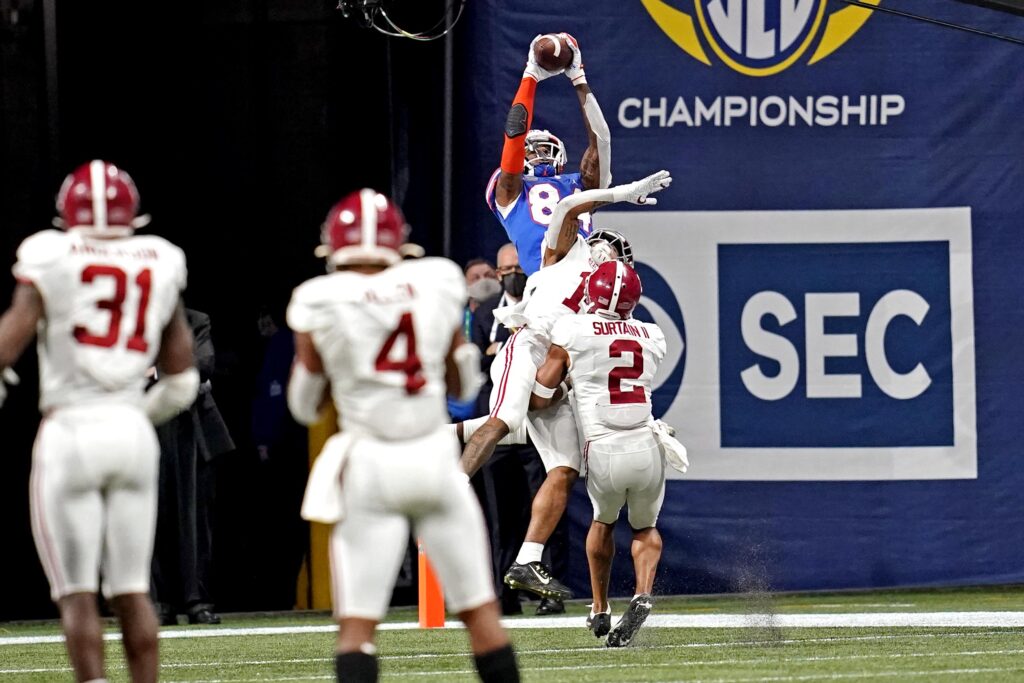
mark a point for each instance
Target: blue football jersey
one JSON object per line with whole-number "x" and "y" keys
{"x": 528, "y": 219}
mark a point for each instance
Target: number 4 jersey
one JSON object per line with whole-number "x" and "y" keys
{"x": 612, "y": 364}
{"x": 383, "y": 339}
{"x": 107, "y": 303}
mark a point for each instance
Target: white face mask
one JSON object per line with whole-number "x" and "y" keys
{"x": 484, "y": 289}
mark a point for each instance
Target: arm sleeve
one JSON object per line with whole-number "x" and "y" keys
{"x": 306, "y": 311}
{"x": 563, "y": 332}
{"x": 38, "y": 260}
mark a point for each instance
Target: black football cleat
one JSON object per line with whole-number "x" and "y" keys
{"x": 536, "y": 578}
{"x": 550, "y": 606}
{"x": 203, "y": 616}
{"x": 600, "y": 623}
{"x": 632, "y": 619}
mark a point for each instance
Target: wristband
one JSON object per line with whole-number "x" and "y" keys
{"x": 543, "y": 391}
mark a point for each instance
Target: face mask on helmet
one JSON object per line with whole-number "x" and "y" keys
{"x": 609, "y": 245}
{"x": 548, "y": 154}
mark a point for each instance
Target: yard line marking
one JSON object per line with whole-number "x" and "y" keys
{"x": 752, "y": 620}
{"x": 858, "y": 604}
{"x": 759, "y": 679}
{"x": 714, "y": 662}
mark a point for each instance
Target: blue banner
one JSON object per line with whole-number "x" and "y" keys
{"x": 835, "y": 267}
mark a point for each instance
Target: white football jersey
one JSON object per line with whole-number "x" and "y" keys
{"x": 383, "y": 339}
{"x": 557, "y": 290}
{"x": 612, "y": 364}
{"x": 107, "y": 302}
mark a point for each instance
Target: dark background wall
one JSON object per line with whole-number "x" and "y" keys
{"x": 241, "y": 121}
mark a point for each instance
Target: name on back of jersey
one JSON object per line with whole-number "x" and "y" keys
{"x": 113, "y": 251}
{"x": 618, "y": 327}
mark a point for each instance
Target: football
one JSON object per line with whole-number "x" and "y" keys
{"x": 552, "y": 52}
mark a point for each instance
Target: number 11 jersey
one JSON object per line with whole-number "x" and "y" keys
{"x": 383, "y": 339}
{"x": 107, "y": 302}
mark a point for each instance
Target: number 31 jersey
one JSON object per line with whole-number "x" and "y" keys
{"x": 107, "y": 302}
{"x": 612, "y": 364}
{"x": 383, "y": 340}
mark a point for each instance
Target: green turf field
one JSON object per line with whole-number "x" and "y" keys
{"x": 763, "y": 648}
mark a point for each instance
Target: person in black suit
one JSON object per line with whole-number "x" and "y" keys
{"x": 188, "y": 446}
{"x": 512, "y": 476}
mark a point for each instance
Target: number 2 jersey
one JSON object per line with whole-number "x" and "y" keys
{"x": 527, "y": 218}
{"x": 107, "y": 302}
{"x": 383, "y": 339}
{"x": 612, "y": 364}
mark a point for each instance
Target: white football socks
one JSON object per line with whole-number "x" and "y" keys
{"x": 530, "y": 552}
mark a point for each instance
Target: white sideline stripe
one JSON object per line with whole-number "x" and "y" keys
{"x": 850, "y": 620}
{"x": 595, "y": 649}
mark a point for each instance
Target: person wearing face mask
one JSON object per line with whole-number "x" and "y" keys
{"x": 482, "y": 284}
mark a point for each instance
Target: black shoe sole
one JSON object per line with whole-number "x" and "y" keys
{"x": 618, "y": 638}
{"x": 542, "y": 592}
{"x": 600, "y": 627}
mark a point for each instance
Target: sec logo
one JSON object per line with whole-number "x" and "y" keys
{"x": 758, "y": 37}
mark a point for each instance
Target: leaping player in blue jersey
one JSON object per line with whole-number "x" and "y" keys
{"x": 523, "y": 192}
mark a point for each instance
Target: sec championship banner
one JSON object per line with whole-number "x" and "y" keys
{"x": 837, "y": 267}
{"x": 818, "y": 344}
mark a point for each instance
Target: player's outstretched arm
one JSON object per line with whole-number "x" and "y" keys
{"x": 517, "y": 125}
{"x": 561, "y": 232}
{"x": 595, "y": 166}
{"x": 550, "y": 386}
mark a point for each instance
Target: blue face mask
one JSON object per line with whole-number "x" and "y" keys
{"x": 544, "y": 171}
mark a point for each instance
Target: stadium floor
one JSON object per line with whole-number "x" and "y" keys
{"x": 884, "y": 635}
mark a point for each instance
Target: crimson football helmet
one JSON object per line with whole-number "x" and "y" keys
{"x": 549, "y": 154}
{"x": 614, "y": 289}
{"x": 100, "y": 198}
{"x": 600, "y": 241}
{"x": 365, "y": 227}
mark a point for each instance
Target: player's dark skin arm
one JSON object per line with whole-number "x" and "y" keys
{"x": 551, "y": 374}
{"x": 480, "y": 446}
{"x": 452, "y": 378}
{"x": 175, "y": 354}
{"x": 508, "y": 188}
{"x": 590, "y": 166}
{"x": 18, "y": 324}
{"x": 567, "y": 233}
